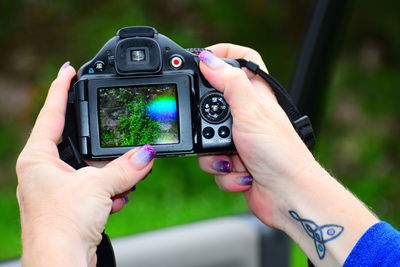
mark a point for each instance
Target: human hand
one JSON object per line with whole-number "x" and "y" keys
{"x": 283, "y": 184}
{"x": 270, "y": 154}
{"x": 62, "y": 208}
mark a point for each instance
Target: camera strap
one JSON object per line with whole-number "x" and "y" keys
{"x": 302, "y": 124}
{"x": 70, "y": 154}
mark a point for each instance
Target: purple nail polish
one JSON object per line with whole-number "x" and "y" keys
{"x": 211, "y": 60}
{"x": 143, "y": 156}
{"x": 222, "y": 166}
{"x": 245, "y": 180}
{"x": 126, "y": 200}
{"x": 63, "y": 67}
{"x": 133, "y": 189}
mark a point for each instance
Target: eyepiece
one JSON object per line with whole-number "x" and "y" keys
{"x": 138, "y": 55}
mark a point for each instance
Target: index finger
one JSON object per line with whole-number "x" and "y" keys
{"x": 232, "y": 51}
{"x": 50, "y": 121}
{"x": 236, "y": 51}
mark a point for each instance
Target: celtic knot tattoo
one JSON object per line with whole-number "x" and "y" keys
{"x": 320, "y": 234}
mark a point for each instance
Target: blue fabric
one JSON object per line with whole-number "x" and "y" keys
{"x": 379, "y": 246}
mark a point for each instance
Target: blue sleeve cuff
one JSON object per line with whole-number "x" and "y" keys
{"x": 379, "y": 246}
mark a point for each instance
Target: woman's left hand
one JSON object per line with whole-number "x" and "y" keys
{"x": 63, "y": 210}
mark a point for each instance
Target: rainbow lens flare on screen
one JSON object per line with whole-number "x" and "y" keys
{"x": 163, "y": 108}
{"x": 138, "y": 115}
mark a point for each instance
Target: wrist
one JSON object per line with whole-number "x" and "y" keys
{"x": 314, "y": 197}
{"x": 56, "y": 243}
{"x": 296, "y": 189}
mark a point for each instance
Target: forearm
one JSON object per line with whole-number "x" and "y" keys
{"x": 50, "y": 246}
{"x": 324, "y": 218}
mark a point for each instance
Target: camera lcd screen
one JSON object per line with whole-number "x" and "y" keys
{"x": 138, "y": 115}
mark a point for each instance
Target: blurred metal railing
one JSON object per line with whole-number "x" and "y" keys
{"x": 237, "y": 241}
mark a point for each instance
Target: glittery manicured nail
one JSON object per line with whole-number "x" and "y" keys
{"x": 63, "y": 67}
{"x": 245, "y": 180}
{"x": 143, "y": 156}
{"x": 126, "y": 200}
{"x": 211, "y": 60}
{"x": 133, "y": 189}
{"x": 222, "y": 166}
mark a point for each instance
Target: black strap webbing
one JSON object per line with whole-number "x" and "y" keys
{"x": 302, "y": 124}
{"x": 70, "y": 154}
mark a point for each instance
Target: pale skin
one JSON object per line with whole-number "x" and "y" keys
{"x": 286, "y": 175}
{"x": 63, "y": 211}
{"x": 65, "y": 230}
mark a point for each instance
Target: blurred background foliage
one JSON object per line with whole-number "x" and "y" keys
{"x": 357, "y": 142}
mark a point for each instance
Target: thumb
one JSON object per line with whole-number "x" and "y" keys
{"x": 121, "y": 174}
{"x": 231, "y": 81}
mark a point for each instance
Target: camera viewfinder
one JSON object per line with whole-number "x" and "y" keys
{"x": 138, "y": 55}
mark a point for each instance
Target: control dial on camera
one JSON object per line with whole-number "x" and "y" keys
{"x": 213, "y": 108}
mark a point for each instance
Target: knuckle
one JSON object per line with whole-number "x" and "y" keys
{"x": 218, "y": 182}
{"x": 49, "y": 111}
{"x": 235, "y": 80}
{"x": 221, "y": 185}
{"x": 56, "y": 83}
{"x": 121, "y": 173}
{"x": 22, "y": 163}
{"x": 236, "y": 76}
{"x": 253, "y": 54}
{"x": 19, "y": 195}
{"x": 250, "y": 53}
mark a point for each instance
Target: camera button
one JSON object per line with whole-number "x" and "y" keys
{"x": 223, "y": 131}
{"x": 111, "y": 60}
{"x": 176, "y": 62}
{"x": 213, "y": 108}
{"x": 99, "y": 65}
{"x": 208, "y": 132}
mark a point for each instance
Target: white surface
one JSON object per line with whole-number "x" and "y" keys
{"x": 223, "y": 242}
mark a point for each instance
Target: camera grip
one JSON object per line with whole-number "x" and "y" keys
{"x": 231, "y": 62}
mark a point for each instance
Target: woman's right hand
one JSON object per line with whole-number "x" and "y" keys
{"x": 270, "y": 154}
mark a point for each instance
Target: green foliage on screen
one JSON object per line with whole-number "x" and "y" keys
{"x": 135, "y": 129}
{"x": 138, "y": 115}
{"x": 139, "y": 127}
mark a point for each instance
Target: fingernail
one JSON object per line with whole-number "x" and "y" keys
{"x": 245, "y": 180}
{"x": 63, "y": 67}
{"x": 222, "y": 166}
{"x": 133, "y": 188}
{"x": 143, "y": 156}
{"x": 211, "y": 60}
{"x": 126, "y": 200}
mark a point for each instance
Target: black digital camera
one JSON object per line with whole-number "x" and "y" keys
{"x": 143, "y": 88}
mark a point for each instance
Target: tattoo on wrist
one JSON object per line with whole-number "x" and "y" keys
{"x": 320, "y": 234}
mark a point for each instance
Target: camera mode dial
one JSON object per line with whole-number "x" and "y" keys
{"x": 213, "y": 108}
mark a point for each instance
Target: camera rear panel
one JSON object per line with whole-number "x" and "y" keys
{"x": 142, "y": 88}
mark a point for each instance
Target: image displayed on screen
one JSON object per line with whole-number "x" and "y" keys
{"x": 138, "y": 115}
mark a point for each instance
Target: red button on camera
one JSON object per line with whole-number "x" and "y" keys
{"x": 176, "y": 62}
